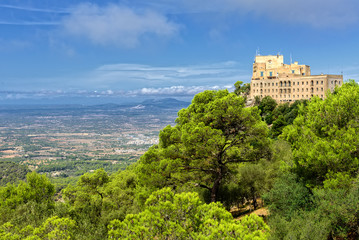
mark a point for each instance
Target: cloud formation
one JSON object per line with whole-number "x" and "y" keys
{"x": 128, "y": 76}
{"x": 117, "y": 25}
{"x": 139, "y": 79}
{"x": 172, "y": 91}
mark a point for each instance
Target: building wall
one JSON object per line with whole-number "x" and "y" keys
{"x": 289, "y": 82}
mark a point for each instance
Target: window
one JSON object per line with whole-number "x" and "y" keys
{"x": 302, "y": 83}
{"x": 293, "y": 83}
{"x": 321, "y": 82}
{"x": 270, "y": 74}
{"x": 262, "y": 74}
{"x": 317, "y": 82}
{"x": 272, "y": 84}
{"x": 322, "y": 89}
{"x": 307, "y": 83}
{"x": 276, "y": 84}
{"x": 292, "y": 71}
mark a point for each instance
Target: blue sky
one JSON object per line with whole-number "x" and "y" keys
{"x": 146, "y": 48}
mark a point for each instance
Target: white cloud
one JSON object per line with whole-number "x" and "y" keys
{"x": 130, "y": 76}
{"x": 133, "y": 79}
{"x": 117, "y": 25}
{"x": 172, "y": 91}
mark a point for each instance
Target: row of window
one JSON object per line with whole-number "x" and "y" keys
{"x": 284, "y": 83}
{"x": 293, "y": 96}
{"x": 281, "y": 83}
{"x": 285, "y": 90}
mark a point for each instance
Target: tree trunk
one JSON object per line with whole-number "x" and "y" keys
{"x": 255, "y": 204}
{"x": 215, "y": 188}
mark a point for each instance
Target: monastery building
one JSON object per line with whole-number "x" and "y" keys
{"x": 289, "y": 82}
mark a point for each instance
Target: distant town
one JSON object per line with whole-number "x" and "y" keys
{"x": 71, "y": 140}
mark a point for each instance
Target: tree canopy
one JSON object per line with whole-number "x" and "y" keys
{"x": 184, "y": 216}
{"x": 214, "y": 134}
{"x": 324, "y": 135}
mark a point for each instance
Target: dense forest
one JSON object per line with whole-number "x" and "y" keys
{"x": 299, "y": 160}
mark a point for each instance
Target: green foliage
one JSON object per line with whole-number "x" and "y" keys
{"x": 53, "y": 228}
{"x": 184, "y": 216}
{"x": 85, "y": 203}
{"x": 242, "y": 89}
{"x": 341, "y": 207}
{"x": 304, "y": 225}
{"x": 96, "y": 199}
{"x": 212, "y": 136}
{"x": 252, "y": 181}
{"x": 28, "y": 202}
{"x": 11, "y": 172}
{"x": 334, "y": 214}
{"x": 324, "y": 135}
{"x": 120, "y": 195}
{"x": 282, "y": 116}
{"x": 288, "y": 196}
{"x": 267, "y": 106}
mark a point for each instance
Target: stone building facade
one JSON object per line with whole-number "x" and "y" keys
{"x": 289, "y": 82}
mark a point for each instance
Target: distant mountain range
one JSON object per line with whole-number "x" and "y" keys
{"x": 149, "y": 105}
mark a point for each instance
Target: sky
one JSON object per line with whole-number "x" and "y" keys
{"x": 134, "y": 49}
